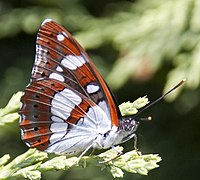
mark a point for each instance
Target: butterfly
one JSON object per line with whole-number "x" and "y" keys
{"x": 67, "y": 108}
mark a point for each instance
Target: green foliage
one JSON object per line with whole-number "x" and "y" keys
{"x": 30, "y": 164}
{"x": 128, "y": 108}
{"x": 168, "y": 30}
{"x": 9, "y": 113}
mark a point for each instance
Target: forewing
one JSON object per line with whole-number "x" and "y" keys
{"x": 59, "y": 56}
{"x": 67, "y": 98}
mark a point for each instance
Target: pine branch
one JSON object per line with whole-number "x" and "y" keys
{"x": 32, "y": 163}
{"x": 9, "y": 113}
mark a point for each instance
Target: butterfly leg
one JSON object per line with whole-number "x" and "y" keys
{"x": 119, "y": 153}
{"x": 135, "y": 144}
{"x": 93, "y": 150}
{"x": 83, "y": 153}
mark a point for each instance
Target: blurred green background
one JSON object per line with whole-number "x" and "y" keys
{"x": 140, "y": 47}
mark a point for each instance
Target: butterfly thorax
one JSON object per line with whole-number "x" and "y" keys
{"x": 117, "y": 135}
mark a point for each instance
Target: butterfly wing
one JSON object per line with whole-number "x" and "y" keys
{"x": 67, "y": 99}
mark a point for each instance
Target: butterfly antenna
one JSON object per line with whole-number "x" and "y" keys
{"x": 161, "y": 97}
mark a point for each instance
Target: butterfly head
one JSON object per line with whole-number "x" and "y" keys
{"x": 126, "y": 129}
{"x": 129, "y": 123}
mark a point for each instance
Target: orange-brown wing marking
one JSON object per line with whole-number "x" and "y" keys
{"x": 82, "y": 76}
{"x": 36, "y": 111}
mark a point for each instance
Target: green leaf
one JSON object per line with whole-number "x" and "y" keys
{"x": 131, "y": 108}
{"x": 32, "y": 163}
{"x": 9, "y": 113}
